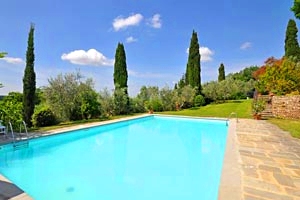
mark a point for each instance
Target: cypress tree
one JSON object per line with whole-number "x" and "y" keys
{"x": 121, "y": 75}
{"x": 120, "y": 68}
{"x": 29, "y": 84}
{"x": 221, "y": 76}
{"x": 291, "y": 46}
{"x": 193, "y": 68}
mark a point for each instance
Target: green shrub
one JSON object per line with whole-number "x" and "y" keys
{"x": 44, "y": 117}
{"x": 199, "y": 101}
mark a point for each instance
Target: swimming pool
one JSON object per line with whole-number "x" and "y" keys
{"x": 147, "y": 158}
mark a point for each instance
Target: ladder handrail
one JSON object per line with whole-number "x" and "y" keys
{"x": 12, "y": 131}
{"x": 25, "y": 127}
{"x": 229, "y": 117}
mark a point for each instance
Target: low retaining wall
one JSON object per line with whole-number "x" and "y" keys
{"x": 286, "y": 106}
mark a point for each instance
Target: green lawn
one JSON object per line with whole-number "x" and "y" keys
{"x": 243, "y": 110}
{"x": 292, "y": 126}
{"x": 241, "y": 107}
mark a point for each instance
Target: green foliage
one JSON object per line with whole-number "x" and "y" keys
{"x": 199, "y": 100}
{"x": 184, "y": 97}
{"x": 29, "y": 84}
{"x": 43, "y": 116}
{"x": 121, "y": 101}
{"x": 291, "y": 46}
{"x": 181, "y": 82}
{"x": 120, "y": 81}
{"x": 241, "y": 107}
{"x": 3, "y": 54}
{"x": 290, "y": 125}
{"x": 137, "y": 105}
{"x": 120, "y": 67}
{"x": 88, "y": 100}
{"x": 228, "y": 89}
{"x": 11, "y": 108}
{"x": 71, "y": 99}
{"x": 107, "y": 103}
{"x": 245, "y": 74}
{"x": 221, "y": 76}
{"x": 258, "y": 105}
{"x": 280, "y": 78}
{"x": 296, "y": 8}
{"x": 167, "y": 98}
{"x": 154, "y": 104}
{"x": 193, "y": 68}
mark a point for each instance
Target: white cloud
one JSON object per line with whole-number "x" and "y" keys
{"x": 90, "y": 57}
{"x": 155, "y": 21}
{"x": 246, "y": 45}
{"x": 13, "y": 60}
{"x": 206, "y": 54}
{"x": 131, "y": 39}
{"x": 122, "y": 23}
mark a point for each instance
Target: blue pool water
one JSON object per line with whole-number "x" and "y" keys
{"x": 148, "y": 158}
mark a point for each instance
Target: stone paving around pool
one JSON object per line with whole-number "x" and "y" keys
{"x": 269, "y": 161}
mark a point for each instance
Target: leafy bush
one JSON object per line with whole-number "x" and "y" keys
{"x": 44, "y": 117}
{"x": 136, "y": 105}
{"x": 199, "y": 101}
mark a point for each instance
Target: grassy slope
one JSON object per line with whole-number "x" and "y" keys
{"x": 241, "y": 107}
{"x": 292, "y": 126}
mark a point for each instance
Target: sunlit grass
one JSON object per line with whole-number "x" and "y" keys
{"x": 223, "y": 110}
{"x": 292, "y": 126}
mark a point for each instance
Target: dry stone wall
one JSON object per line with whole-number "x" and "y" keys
{"x": 286, "y": 106}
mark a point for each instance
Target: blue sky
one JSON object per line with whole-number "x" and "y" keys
{"x": 72, "y": 35}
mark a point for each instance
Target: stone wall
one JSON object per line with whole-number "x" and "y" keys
{"x": 286, "y": 106}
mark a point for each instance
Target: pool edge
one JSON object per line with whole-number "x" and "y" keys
{"x": 230, "y": 184}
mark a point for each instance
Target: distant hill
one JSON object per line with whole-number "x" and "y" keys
{"x": 1, "y": 97}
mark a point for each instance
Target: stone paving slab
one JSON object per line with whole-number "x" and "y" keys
{"x": 269, "y": 161}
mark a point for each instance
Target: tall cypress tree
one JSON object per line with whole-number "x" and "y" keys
{"x": 193, "y": 68}
{"x": 120, "y": 68}
{"x": 29, "y": 84}
{"x": 121, "y": 77}
{"x": 221, "y": 76}
{"x": 291, "y": 46}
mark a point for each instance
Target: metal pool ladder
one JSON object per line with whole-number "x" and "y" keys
{"x": 229, "y": 117}
{"x": 21, "y": 140}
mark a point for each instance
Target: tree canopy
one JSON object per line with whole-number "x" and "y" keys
{"x": 120, "y": 67}
{"x": 29, "y": 83}
{"x": 193, "y": 68}
{"x": 291, "y": 46}
{"x": 280, "y": 77}
{"x": 121, "y": 98}
{"x": 221, "y": 76}
{"x": 3, "y": 54}
{"x": 296, "y": 8}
